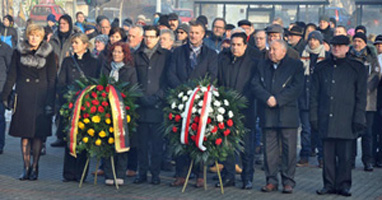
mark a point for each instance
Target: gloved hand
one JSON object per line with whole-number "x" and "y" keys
{"x": 49, "y": 110}
{"x": 358, "y": 128}
{"x": 314, "y": 125}
{"x": 6, "y": 106}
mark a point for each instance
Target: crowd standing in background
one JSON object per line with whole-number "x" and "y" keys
{"x": 321, "y": 78}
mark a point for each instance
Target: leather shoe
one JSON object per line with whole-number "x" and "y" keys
{"x": 368, "y": 167}
{"x": 131, "y": 173}
{"x": 378, "y": 164}
{"x": 178, "y": 182}
{"x": 155, "y": 180}
{"x": 288, "y": 189}
{"x": 199, "y": 183}
{"x": 58, "y": 143}
{"x": 344, "y": 192}
{"x": 324, "y": 191}
{"x": 34, "y": 174}
{"x": 247, "y": 185}
{"x": 226, "y": 183}
{"x": 25, "y": 175}
{"x": 99, "y": 172}
{"x": 140, "y": 179}
{"x": 269, "y": 188}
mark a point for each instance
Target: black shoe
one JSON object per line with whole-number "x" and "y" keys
{"x": 226, "y": 183}
{"x": 324, "y": 191}
{"x": 1, "y": 151}
{"x": 247, "y": 185}
{"x": 368, "y": 167}
{"x": 25, "y": 175}
{"x": 140, "y": 179}
{"x": 155, "y": 180}
{"x": 58, "y": 143}
{"x": 378, "y": 164}
{"x": 344, "y": 192}
{"x": 34, "y": 174}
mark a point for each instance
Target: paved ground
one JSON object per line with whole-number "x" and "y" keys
{"x": 366, "y": 185}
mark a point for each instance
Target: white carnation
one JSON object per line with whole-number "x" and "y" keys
{"x": 203, "y": 89}
{"x": 221, "y": 110}
{"x": 200, "y": 111}
{"x": 189, "y": 92}
{"x": 180, "y": 107}
{"x": 173, "y": 105}
{"x": 217, "y": 103}
{"x": 197, "y": 97}
{"x": 230, "y": 114}
{"x": 183, "y": 114}
{"x": 216, "y": 93}
{"x": 193, "y": 109}
{"x": 226, "y": 102}
{"x": 185, "y": 98}
{"x": 211, "y": 110}
{"x": 200, "y": 104}
{"x": 180, "y": 95}
{"x": 220, "y": 118}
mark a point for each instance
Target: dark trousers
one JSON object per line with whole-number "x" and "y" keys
{"x": 316, "y": 142}
{"x": 120, "y": 164}
{"x": 183, "y": 163}
{"x": 377, "y": 138}
{"x": 337, "y": 163}
{"x": 73, "y": 167}
{"x": 150, "y": 143}
{"x": 305, "y": 135}
{"x": 2, "y": 126}
{"x": 132, "y": 163}
{"x": 280, "y": 155}
{"x": 246, "y": 157}
{"x": 367, "y": 139}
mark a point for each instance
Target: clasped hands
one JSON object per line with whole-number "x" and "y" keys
{"x": 272, "y": 102}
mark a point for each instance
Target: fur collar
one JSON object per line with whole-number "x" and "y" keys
{"x": 37, "y": 59}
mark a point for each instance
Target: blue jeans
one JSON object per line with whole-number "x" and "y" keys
{"x": 2, "y": 126}
{"x": 305, "y": 135}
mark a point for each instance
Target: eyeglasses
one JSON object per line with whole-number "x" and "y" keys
{"x": 180, "y": 32}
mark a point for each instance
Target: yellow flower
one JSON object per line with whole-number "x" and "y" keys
{"x": 111, "y": 129}
{"x": 91, "y": 132}
{"x": 102, "y": 134}
{"x": 108, "y": 121}
{"x": 96, "y": 119}
{"x": 128, "y": 118}
{"x": 85, "y": 139}
{"x": 86, "y": 120}
{"x": 98, "y": 142}
{"x": 81, "y": 125}
{"x": 111, "y": 140}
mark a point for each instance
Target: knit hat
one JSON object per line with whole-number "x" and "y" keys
{"x": 163, "y": 20}
{"x": 340, "y": 40}
{"x": 361, "y": 27}
{"x": 378, "y": 40}
{"x": 102, "y": 38}
{"x": 316, "y": 35}
{"x": 361, "y": 36}
{"x": 184, "y": 27}
{"x": 202, "y": 19}
{"x": 324, "y": 18}
{"x": 51, "y": 18}
{"x": 127, "y": 22}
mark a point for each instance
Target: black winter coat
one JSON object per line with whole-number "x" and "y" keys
{"x": 237, "y": 73}
{"x": 300, "y": 46}
{"x": 338, "y": 98}
{"x": 285, "y": 84}
{"x": 127, "y": 73}
{"x": 34, "y": 73}
{"x": 5, "y": 62}
{"x": 152, "y": 78}
{"x": 180, "y": 65}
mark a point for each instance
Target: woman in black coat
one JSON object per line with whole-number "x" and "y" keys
{"x": 33, "y": 70}
{"x": 120, "y": 68}
{"x": 71, "y": 69}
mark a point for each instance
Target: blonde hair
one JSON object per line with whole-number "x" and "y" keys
{"x": 83, "y": 37}
{"x": 35, "y": 28}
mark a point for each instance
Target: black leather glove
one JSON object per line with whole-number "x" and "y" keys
{"x": 6, "y": 106}
{"x": 358, "y": 129}
{"x": 314, "y": 125}
{"x": 49, "y": 110}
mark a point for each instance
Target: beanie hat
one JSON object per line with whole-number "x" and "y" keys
{"x": 361, "y": 27}
{"x": 316, "y": 35}
{"x": 102, "y": 38}
{"x": 378, "y": 40}
{"x": 51, "y": 18}
{"x": 184, "y": 27}
{"x": 361, "y": 36}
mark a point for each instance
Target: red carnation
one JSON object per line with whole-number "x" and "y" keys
{"x": 94, "y": 95}
{"x": 226, "y": 132}
{"x": 87, "y": 96}
{"x": 197, "y": 119}
{"x": 107, "y": 89}
{"x": 194, "y": 127}
{"x": 174, "y": 129}
{"x": 193, "y": 137}
{"x": 87, "y": 104}
{"x": 86, "y": 115}
{"x": 205, "y": 138}
{"x": 99, "y": 87}
{"x": 170, "y": 116}
{"x": 101, "y": 109}
{"x": 123, "y": 95}
{"x": 215, "y": 129}
{"x": 107, "y": 115}
{"x": 177, "y": 118}
{"x": 78, "y": 92}
{"x": 127, "y": 108}
{"x": 230, "y": 123}
{"x": 82, "y": 108}
{"x": 104, "y": 95}
{"x": 105, "y": 104}
{"x": 209, "y": 120}
{"x": 93, "y": 109}
{"x": 218, "y": 141}
{"x": 70, "y": 105}
{"x": 221, "y": 125}
{"x": 95, "y": 102}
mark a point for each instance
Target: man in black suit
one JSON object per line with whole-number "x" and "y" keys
{"x": 236, "y": 69}
{"x": 277, "y": 84}
{"x": 191, "y": 61}
{"x": 151, "y": 61}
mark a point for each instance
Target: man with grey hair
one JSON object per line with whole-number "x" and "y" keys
{"x": 104, "y": 26}
{"x": 276, "y": 32}
{"x": 277, "y": 84}
{"x": 167, "y": 39}
{"x": 135, "y": 37}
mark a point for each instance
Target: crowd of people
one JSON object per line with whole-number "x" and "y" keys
{"x": 323, "y": 79}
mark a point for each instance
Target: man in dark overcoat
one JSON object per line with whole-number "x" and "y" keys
{"x": 189, "y": 62}
{"x": 151, "y": 63}
{"x": 236, "y": 69}
{"x": 277, "y": 84}
{"x": 337, "y": 111}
